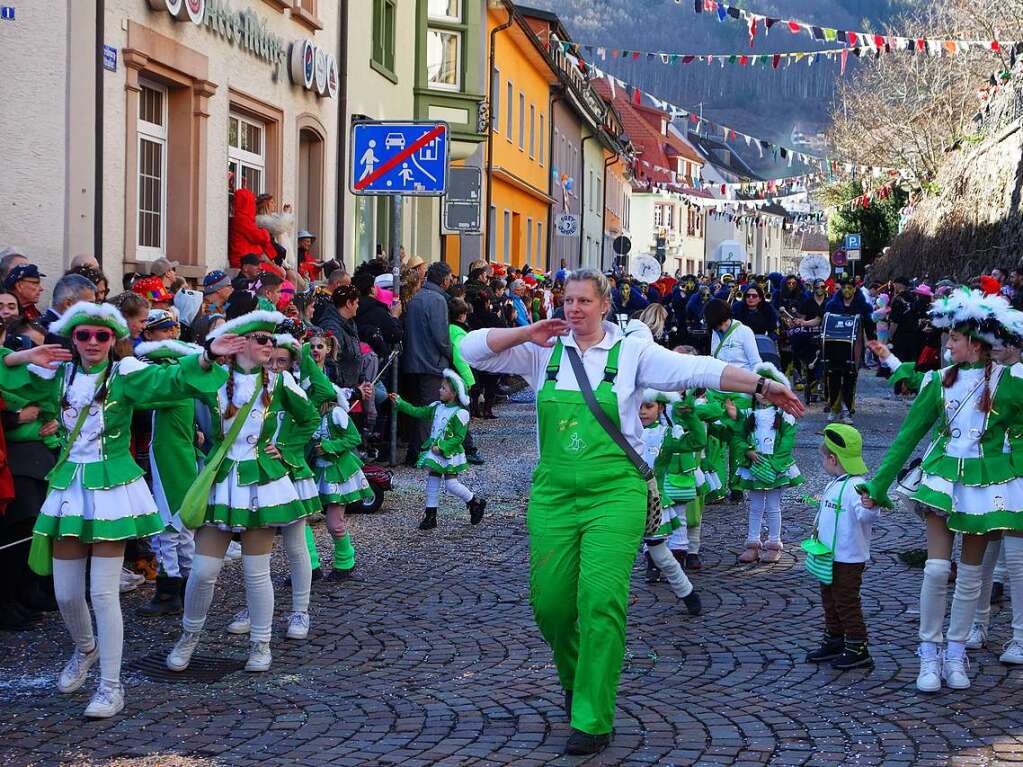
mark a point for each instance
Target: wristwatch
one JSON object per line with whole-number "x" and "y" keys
{"x": 761, "y": 385}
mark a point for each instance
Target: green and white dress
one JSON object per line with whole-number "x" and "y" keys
{"x": 339, "y": 474}
{"x": 99, "y": 493}
{"x": 775, "y": 446}
{"x": 449, "y": 422}
{"x": 971, "y": 470}
{"x": 253, "y": 489}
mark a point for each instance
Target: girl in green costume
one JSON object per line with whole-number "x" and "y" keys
{"x": 443, "y": 454}
{"x": 253, "y": 493}
{"x": 970, "y": 484}
{"x": 98, "y": 496}
{"x": 588, "y": 500}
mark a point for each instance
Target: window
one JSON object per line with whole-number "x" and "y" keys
{"x": 492, "y": 228}
{"x": 443, "y": 59}
{"x": 152, "y": 171}
{"x": 529, "y": 241}
{"x": 509, "y": 103}
{"x": 522, "y": 120}
{"x": 444, "y": 10}
{"x": 507, "y": 236}
{"x": 543, "y": 137}
{"x": 246, "y": 153}
{"x": 532, "y": 131}
{"x": 658, "y": 215}
{"x": 495, "y": 101}
{"x": 589, "y": 187}
{"x": 539, "y": 243}
{"x": 384, "y": 16}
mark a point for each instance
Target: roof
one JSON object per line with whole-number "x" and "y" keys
{"x": 815, "y": 241}
{"x": 773, "y": 209}
{"x": 734, "y": 164}
{"x": 642, "y": 124}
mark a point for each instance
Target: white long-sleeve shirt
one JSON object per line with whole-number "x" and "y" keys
{"x": 739, "y": 349}
{"x": 641, "y": 365}
{"x": 855, "y": 521}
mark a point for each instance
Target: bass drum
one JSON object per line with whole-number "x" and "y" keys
{"x": 840, "y": 327}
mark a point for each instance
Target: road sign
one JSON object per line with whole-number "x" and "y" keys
{"x": 853, "y": 255}
{"x": 852, "y": 242}
{"x": 621, "y": 245}
{"x": 567, "y": 225}
{"x": 839, "y": 258}
{"x": 463, "y": 211}
{"x": 395, "y": 158}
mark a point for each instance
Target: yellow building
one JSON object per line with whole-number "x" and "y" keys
{"x": 518, "y": 155}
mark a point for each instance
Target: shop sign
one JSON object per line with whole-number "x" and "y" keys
{"x": 313, "y": 68}
{"x": 246, "y": 30}
{"x": 182, "y": 10}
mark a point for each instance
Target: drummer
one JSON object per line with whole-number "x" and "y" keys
{"x": 810, "y": 314}
{"x": 842, "y": 363}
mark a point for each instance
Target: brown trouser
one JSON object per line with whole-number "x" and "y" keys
{"x": 843, "y": 612}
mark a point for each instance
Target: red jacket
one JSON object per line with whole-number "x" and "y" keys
{"x": 244, "y": 236}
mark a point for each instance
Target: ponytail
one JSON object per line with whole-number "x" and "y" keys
{"x": 232, "y": 409}
{"x": 985, "y": 398}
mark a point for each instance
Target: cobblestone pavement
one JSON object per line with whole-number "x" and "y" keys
{"x": 432, "y": 657}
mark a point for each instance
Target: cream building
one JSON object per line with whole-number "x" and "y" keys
{"x": 129, "y": 152}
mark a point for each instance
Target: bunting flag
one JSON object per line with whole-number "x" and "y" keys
{"x": 864, "y": 200}
{"x": 935, "y": 46}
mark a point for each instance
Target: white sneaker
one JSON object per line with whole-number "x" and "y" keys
{"x": 847, "y": 417}
{"x": 130, "y": 580}
{"x": 77, "y": 669}
{"x": 953, "y": 671}
{"x": 241, "y": 623}
{"x": 298, "y": 626}
{"x": 107, "y": 701}
{"x": 259, "y": 657}
{"x": 929, "y": 678}
{"x": 831, "y": 416}
{"x": 234, "y": 551}
{"x": 977, "y": 640}
{"x": 181, "y": 655}
{"x": 1013, "y": 654}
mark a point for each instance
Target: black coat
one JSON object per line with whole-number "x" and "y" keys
{"x": 378, "y": 328}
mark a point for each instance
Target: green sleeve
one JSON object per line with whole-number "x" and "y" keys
{"x": 908, "y": 375}
{"x": 21, "y": 382}
{"x": 303, "y": 414}
{"x": 454, "y": 434}
{"x": 186, "y": 380}
{"x": 320, "y": 388}
{"x": 786, "y": 442}
{"x": 461, "y": 367}
{"x": 416, "y": 411}
{"x": 709, "y": 411}
{"x": 685, "y": 413}
{"x": 925, "y": 410}
{"x": 344, "y": 440}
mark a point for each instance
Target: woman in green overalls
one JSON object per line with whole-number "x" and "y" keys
{"x": 587, "y": 506}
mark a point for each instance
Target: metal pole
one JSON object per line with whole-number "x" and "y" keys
{"x": 396, "y": 201}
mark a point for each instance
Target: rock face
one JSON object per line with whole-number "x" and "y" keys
{"x": 974, "y": 220}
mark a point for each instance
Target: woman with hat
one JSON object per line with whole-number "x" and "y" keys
{"x": 98, "y": 497}
{"x": 588, "y": 499}
{"x": 969, "y": 483}
{"x": 252, "y": 492}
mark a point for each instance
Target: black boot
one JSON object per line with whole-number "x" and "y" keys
{"x": 568, "y": 703}
{"x": 831, "y": 647}
{"x": 653, "y": 574}
{"x": 693, "y": 603}
{"x": 854, "y": 655}
{"x": 735, "y": 496}
{"x": 582, "y": 743}
{"x": 476, "y": 508}
{"x": 429, "y": 520}
{"x": 166, "y": 600}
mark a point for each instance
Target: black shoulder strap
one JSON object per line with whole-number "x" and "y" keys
{"x": 598, "y": 412}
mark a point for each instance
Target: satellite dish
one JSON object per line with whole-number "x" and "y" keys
{"x": 814, "y": 267}
{"x": 645, "y": 269}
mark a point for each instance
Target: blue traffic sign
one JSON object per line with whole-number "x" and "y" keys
{"x": 399, "y": 158}
{"x": 852, "y": 242}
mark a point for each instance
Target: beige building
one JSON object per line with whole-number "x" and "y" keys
{"x": 130, "y": 152}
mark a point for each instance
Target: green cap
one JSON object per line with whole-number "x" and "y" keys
{"x": 847, "y": 445}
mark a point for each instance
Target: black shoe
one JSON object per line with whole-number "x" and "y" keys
{"x": 693, "y": 562}
{"x": 735, "y": 496}
{"x": 317, "y": 574}
{"x": 166, "y": 600}
{"x": 474, "y": 458}
{"x": 476, "y": 508}
{"x": 429, "y": 520}
{"x": 568, "y": 703}
{"x": 337, "y": 575}
{"x": 582, "y": 743}
{"x": 855, "y": 655}
{"x": 693, "y": 604}
{"x": 488, "y": 415}
{"x": 653, "y": 574}
{"x": 997, "y": 593}
{"x": 831, "y": 648}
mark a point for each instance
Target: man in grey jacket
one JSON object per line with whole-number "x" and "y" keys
{"x": 427, "y": 349}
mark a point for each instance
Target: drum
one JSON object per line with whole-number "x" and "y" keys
{"x": 840, "y": 327}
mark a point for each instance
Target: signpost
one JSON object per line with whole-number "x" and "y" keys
{"x": 397, "y": 159}
{"x": 852, "y": 251}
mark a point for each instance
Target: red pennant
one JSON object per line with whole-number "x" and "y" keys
{"x": 752, "y": 30}
{"x": 879, "y": 41}
{"x": 995, "y": 46}
{"x": 794, "y": 27}
{"x": 636, "y": 97}
{"x": 744, "y": 60}
{"x": 921, "y": 44}
{"x": 635, "y": 55}
{"x": 731, "y": 134}
{"x": 724, "y": 188}
{"x": 851, "y": 38}
{"x": 776, "y": 60}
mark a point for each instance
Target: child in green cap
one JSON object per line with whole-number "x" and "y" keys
{"x": 845, "y": 525}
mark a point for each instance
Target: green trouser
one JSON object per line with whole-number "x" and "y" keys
{"x": 587, "y": 513}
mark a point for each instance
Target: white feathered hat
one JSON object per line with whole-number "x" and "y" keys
{"x": 972, "y": 313}
{"x": 458, "y": 385}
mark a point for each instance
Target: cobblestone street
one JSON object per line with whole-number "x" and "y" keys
{"x": 432, "y": 656}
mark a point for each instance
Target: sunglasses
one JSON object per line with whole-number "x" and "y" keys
{"x": 751, "y": 295}
{"x": 261, "y": 338}
{"x": 101, "y": 336}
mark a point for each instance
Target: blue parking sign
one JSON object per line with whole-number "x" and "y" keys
{"x": 852, "y": 242}
{"x": 400, "y": 158}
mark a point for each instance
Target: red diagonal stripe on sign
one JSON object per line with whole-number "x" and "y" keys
{"x": 410, "y": 150}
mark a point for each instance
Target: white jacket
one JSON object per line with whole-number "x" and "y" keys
{"x": 855, "y": 521}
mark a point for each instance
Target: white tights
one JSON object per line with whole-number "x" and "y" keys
{"x": 765, "y": 503}
{"x": 671, "y": 569}
{"x": 259, "y": 593}
{"x": 105, "y": 589}
{"x": 299, "y": 564}
{"x": 452, "y": 485}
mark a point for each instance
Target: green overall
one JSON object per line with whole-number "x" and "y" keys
{"x": 587, "y": 512}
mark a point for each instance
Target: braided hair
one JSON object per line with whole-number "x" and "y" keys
{"x": 232, "y": 409}
{"x": 951, "y": 375}
{"x": 100, "y": 395}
